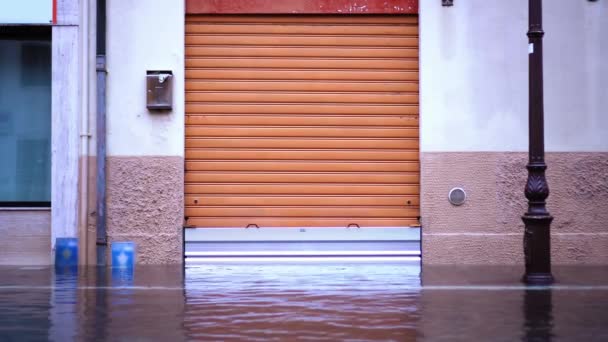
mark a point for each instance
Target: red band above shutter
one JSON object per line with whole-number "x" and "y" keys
{"x": 302, "y": 7}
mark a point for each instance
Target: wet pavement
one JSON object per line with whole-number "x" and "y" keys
{"x": 329, "y": 301}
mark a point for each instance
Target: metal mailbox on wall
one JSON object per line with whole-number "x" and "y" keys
{"x": 159, "y": 89}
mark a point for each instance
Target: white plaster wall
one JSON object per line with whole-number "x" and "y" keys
{"x": 144, "y": 35}
{"x": 89, "y": 77}
{"x": 66, "y": 104}
{"x": 474, "y": 75}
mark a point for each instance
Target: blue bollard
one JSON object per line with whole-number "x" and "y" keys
{"x": 123, "y": 255}
{"x": 66, "y": 253}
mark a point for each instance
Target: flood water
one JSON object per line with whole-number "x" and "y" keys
{"x": 337, "y": 301}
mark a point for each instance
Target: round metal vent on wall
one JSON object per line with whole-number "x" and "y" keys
{"x": 457, "y": 196}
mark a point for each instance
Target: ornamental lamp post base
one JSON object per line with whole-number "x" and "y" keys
{"x": 537, "y": 248}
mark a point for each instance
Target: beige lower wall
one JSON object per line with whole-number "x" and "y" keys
{"x": 145, "y": 199}
{"x": 145, "y": 205}
{"x": 488, "y": 229}
{"x": 25, "y": 237}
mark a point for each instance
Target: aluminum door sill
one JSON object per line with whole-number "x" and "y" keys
{"x": 302, "y": 234}
{"x": 263, "y": 244}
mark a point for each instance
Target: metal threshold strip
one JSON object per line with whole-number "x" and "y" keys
{"x": 193, "y": 261}
{"x": 304, "y": 253}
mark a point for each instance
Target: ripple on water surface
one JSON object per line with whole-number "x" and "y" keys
{"x": 281, "y": 302}
{"x": 293, "y": 302}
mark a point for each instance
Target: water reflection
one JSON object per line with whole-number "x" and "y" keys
{"x": 488, "y": 303}
{"x": 96, "y": 316}
{"x": 64, "y": 300}
{"x": 146, "y": 305}
{"x": 538, "y": 314}
{"x": 24, "y": 313}
{"x": 317, "y": 302}
{"x": 330, "y": 302}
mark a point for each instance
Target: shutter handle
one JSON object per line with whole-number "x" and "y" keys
{"x": 353, "y": 225}
{"x": 252, "y": 225}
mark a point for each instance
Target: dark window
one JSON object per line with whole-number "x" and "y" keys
{"x": 25, "y": 116}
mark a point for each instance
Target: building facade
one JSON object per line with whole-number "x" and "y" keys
{"x": 328, "y": 115}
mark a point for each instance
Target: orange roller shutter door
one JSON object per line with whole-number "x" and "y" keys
{"x": 302, "y": 121}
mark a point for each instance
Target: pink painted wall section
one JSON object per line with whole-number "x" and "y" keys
{"x": 302, "y": 7}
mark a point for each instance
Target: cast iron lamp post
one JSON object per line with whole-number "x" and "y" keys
{"x": 537, "y": 238}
